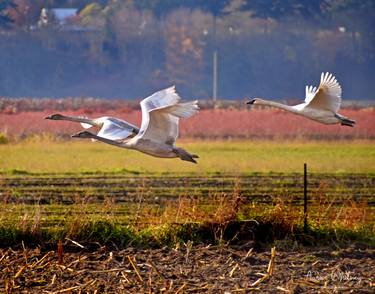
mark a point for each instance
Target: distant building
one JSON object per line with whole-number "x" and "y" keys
{"x": 56, "y": 16}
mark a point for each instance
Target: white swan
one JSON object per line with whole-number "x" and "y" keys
{"x": 321, "y": 104}
{"x": 110, "y": 127}
{"x": 159, "y": 129}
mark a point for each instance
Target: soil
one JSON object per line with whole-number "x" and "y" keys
{"x": 187, "y": 269}
{"x": 262, "y": 188}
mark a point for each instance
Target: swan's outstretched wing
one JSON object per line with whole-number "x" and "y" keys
{"x": 161, "y": 113}
{"x": 327, "y": 96}
{"x": 116, "y": 129}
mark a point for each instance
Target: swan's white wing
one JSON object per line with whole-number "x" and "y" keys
{"x": 122, "y": 123}
{"x": 327, "y": 96}
{"x": 160, "y": 116}
{"x": 310, "y": 93}
{"x": 116, "y": 129}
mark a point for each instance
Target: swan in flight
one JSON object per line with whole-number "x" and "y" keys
{"x": 321, "y": 104}
{"x": 161, "y": 113}
{"x": 110, "y": 127}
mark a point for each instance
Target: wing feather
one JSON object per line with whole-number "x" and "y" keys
{"x": 116, "y": 129}
{"x": 327, "y": 96}
{"x": 161, "y": 113}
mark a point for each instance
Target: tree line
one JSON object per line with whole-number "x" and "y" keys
{"x": 128, "y": 49}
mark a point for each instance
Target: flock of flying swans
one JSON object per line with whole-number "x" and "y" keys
{"x": 162, "y": 111}
{"x": 157, "y": 136}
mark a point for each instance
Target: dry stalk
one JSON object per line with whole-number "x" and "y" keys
{"x": 271, "y": 264}
{"x": 1, "y": 259}
{"x": 188, "y": 246}
{"x": 180, "y": 289}
{"x": 109, "y": 270}
{"x": 283, "y": 289}
{"x": 170, "y": 285}
{"x": 245, "y": 290}
{"x": 77, "y": 261}
{"x": 60, "y": 252}
{"x": 311, "y": 282}
{"x": 328, "y": 209}
{"x": 179, "y": 208}
{"x": 24, "y": 253}
{"x": 233, "y": 269}
{"x": 126, "y": 278}
{"x": 270, "y": 269}
{"x": 247, "y": 254}
{"x": 40, "y": 260}
{"x": 75, "y": 243}
{"x": 53, "y": 279}
{"x": 70, "y": 289}
{"x": 135, "y": 268}
{"x": 260, "y": 280}
{"x": 141, "y": 192}
{"x": 63, "y": 267}
{"x": 19, "y": 272}
{"x": 8, "y": 287}
{"x": 197, "y": 289}
{"x": 355, "y": 213}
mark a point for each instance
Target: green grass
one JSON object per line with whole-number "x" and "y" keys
{"x": 49, "y": 156}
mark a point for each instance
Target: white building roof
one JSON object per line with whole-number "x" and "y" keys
{"x": 62, "y": 14}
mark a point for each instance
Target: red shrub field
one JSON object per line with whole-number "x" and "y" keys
{"x": 229, "y": 122}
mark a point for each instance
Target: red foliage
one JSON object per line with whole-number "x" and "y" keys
{"x": 275, "y": 124}
{"x": 209, "y": 123}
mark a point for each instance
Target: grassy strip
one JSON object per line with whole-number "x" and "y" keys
{"x": 216, "y": 157}
{"x": 226, "y": 220}
{"x": 263, "y": 232}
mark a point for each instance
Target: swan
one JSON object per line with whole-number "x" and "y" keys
{"x": 321, "y": 104}
{"x": 110, "y": 127}
{"x": 161, "y": 113}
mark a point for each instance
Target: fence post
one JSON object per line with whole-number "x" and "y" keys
{"x": 305, "y": 197}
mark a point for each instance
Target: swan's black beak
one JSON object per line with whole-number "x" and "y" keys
{"x": 251, "y": 101}
{"x": 56, "y": 116}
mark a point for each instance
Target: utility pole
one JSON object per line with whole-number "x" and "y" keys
{"x": 214, "y": 77}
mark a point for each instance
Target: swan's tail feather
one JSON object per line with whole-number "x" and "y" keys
{"x": 184, "y": 110}
{"x": 345, "y": 121}
{"x": 184, "y": 155}
{"x": 348, "y": 122}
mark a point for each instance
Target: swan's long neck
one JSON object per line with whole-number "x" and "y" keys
{"x": 275, "y": 104}
{"x": 111, "y": 142}
{"x": 79, "y": 119}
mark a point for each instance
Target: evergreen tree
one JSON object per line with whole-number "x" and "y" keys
{"x": 5, "y": 20}
{"x": 277, "y": 9}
